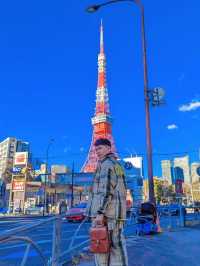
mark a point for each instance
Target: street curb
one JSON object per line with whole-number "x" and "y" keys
{"x": 24, "y": 216}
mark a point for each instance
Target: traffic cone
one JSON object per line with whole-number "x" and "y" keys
{"x": 159, "y": 229}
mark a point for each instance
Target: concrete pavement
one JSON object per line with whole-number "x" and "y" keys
{"x": 177, "y": 248}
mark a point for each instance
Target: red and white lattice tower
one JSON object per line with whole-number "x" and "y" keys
{"x": 102, "y": 120}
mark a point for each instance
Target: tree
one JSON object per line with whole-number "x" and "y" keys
{"x": 159, "y": 189}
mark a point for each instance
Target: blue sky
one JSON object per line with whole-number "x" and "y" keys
{"x": 48, "y": 76}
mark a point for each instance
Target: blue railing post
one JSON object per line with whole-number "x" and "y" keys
{"x": 56, "y": 242}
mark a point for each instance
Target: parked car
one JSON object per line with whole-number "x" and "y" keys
{"x": 77, "y": 213}
{"x": 194, "y": 208}
{"x": 3, "y": 210}
{"x": 18, "y": 210}
{"x": 34, "y": 210}
{"x": 172, "y": 209}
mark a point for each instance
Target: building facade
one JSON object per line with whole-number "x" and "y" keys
{"x": 7, "y": 152}
{"x": 182, "y": 169}
{"x": 22, "y": 146}
{"x": 8, "y": 148}
{"x": 167, "y": 171}
{"x": 195, "y": 172}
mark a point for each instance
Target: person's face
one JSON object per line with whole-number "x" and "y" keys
{"x": 102, "y": 151}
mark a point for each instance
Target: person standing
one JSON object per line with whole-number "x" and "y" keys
{"x": 107, "y": 200}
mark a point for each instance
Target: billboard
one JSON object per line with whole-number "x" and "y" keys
{"x": 59, "y": 169}
{"x": 21, "y": 158}
{"x": 18, "y": 186}
{"x": 43, "y": 168}
{"x": 133, "y": 165}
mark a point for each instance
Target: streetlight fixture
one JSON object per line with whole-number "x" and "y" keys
{"x": 46, "y": 175}
{"x": 147, "y": 91}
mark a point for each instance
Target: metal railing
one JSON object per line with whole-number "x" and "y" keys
{"x": 11, "y": 235}
{"x": 57, "y": 257}
{"x": 168, "y": 220}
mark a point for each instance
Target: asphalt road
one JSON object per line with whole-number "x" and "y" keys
{"x": 11, "y": 253}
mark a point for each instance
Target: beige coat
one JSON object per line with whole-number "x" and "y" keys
{"x": 108, "y": 195}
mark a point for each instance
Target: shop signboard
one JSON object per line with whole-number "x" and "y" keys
{"x": 16, "y": 170}
{"x": 18, "y": 185}
{"x": 8, "y": 186}
{"x": 21, "y": 158}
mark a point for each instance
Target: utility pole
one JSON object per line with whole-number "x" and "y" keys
{"x": 72, "y": 195}
{"x": 46, "y": 176}
{"x": 199, "y": 154}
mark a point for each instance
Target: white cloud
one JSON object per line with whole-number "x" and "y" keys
{"x": 172, "y": 126}
{"x": 193, "y": 105}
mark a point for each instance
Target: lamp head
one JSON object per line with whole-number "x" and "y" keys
{"x": 92, "y": 9}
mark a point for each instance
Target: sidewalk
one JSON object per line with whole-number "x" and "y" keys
{"x": 178, "y": 248}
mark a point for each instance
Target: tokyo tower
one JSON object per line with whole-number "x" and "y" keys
{"x": 101, "y": 121}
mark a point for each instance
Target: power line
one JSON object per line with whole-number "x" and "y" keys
{"x": 39, "y": 157}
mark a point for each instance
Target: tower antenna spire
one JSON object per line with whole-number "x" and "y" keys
{"x": 102, "y": 120}
{"x": 101, "y": 38}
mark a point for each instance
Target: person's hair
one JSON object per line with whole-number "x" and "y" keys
{"x": 102, "y": 141}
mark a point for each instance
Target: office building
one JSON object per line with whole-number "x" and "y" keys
{"x": 167, "y": 171}
{"x": 182, "y": 169}
{"x": 195, "y": 172}
{"x": 8, "y": 147}
{"x": 7, "y": 152}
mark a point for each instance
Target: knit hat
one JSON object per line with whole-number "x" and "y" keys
{"x": 102, "y": 141}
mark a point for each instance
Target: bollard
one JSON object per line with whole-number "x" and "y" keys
{"x": 56, "y": 242}
{"x": 182, "y": 216}
{"x": 159, "y": 229}
{"x": 170, "y": 218}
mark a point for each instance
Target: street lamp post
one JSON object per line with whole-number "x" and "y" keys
{"x": 46, "y": 176}
{"x": 96, "y": 7}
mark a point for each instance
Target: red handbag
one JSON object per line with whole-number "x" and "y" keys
{"x": 99, "y": 239}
